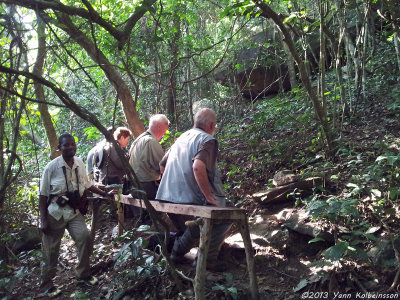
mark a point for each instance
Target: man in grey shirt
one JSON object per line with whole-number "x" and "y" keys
{"x": 190, "y": 176}
{"x": 146, "y": 154}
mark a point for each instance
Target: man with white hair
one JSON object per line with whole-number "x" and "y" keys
{"x": 191, "y": 177}
{"x": 146, "y": 153}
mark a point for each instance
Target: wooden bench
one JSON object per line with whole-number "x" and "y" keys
{"x": 209, "y": 216}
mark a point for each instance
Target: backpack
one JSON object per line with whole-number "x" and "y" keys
{"x": 97, "y": 160}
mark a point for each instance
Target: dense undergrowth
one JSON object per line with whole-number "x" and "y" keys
{"x": 359, "y": 203}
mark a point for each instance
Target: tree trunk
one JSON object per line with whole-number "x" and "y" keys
{"x": 289, "y": 62}
{"x": 132, "y": 118}
{"x": 337, "y": 47}
{"x": 396, "y": 45}
{"x": 171, "y": 106}
{"x": 267, "y": 12}
{"x": 39, "y": 91}
{"x": 322, "y": 57}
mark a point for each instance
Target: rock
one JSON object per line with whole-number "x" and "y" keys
{"x": 298, "y": 223}
{"x": 27, "y": 239}
{"x": 284, "y": 214}
{"x": 278, "y": 238}
{"x": 284, "y": 177}
{"x": 282, "y": 193}
{"x": 383, "y": 254}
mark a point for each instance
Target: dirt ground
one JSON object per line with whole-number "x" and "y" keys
{"x": 278, "y": 270}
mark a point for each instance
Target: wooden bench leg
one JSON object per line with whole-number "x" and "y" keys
{"x": 200, "y": 278}
{"x": 244, "y": 231}
{"x": 120, "y": 218}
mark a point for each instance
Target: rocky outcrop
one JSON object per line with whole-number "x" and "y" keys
{"x": 282, "y": 193}
{"x": 27, "y": 239}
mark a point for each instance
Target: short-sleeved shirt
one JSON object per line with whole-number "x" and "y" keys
{"x": 145, "y": 156}
{"x": 178, "y": 184}
{"x": 53, "y": 185}
{"x": 207, "y": 153}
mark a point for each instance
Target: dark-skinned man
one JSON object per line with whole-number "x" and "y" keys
{"x": 62, "y": 184}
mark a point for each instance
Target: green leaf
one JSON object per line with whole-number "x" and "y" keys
{"x": 371, "y": 237}
{"x": 317, "y": 239}
{"x": 233, "y": 292}
{"x": 336, "y": 252}
{"x": 358, "y": 253}
{"x": 290, "y": 18}
{"x": 229, "y": 278}
{"x": 218, "y": 287}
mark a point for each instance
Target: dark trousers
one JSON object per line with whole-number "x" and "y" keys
{"x": 191, "y": 235}
{"x": 150, "y": 188}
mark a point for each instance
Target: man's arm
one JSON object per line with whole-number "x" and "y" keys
{"x": 44, "y": 223}
{"x": 163, "y": 162}
{"x": 200, "y": 174}
{"x": 96, "y": 190}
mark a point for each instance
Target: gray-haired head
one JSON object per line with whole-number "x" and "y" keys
{"x": 158, "y": 124}
{"x": 205, "y": 119}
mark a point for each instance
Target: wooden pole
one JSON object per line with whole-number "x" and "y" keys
{"x": 199, "y": 280}
{"x": 244, "y": 231}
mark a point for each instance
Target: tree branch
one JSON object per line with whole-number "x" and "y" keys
{"x": 89, "y": 14}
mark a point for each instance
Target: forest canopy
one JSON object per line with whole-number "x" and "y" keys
{"x": 286, "y": 78}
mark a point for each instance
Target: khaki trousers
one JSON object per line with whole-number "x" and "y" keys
{"x": 51, "y": 246}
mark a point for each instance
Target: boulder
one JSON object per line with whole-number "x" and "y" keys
{"x": 299, "y": 223}
{"x": 284, "y": 177}
{"x": 282, "y": 193}
{"x": 383, "y": 253}
{"x": 27, "y": 239}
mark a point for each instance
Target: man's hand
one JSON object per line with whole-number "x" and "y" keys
{"x": 103, "y": 193}
{"x": 111, "y": 193}
{"x": 44, "y": 222}
{"x": 212, "y": 201}
{"x": 44, "y": 225}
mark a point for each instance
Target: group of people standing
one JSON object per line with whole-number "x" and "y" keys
{"x": 104, "y": 165}
{"x": 186, "y": 174}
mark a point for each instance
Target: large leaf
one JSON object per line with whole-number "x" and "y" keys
{"x": 336, "y": 252}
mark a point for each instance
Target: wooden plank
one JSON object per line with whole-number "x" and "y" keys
{"x": 209, "y": 212}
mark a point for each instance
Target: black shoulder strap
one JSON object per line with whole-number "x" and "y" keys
{"x": 77, "y": 177}
{"x": 141, "y": 136}
{"x": 65, "y": 176}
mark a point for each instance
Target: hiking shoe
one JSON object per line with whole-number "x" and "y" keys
{"x": 52, "y": 292}
{"x": 91, "y": 280}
